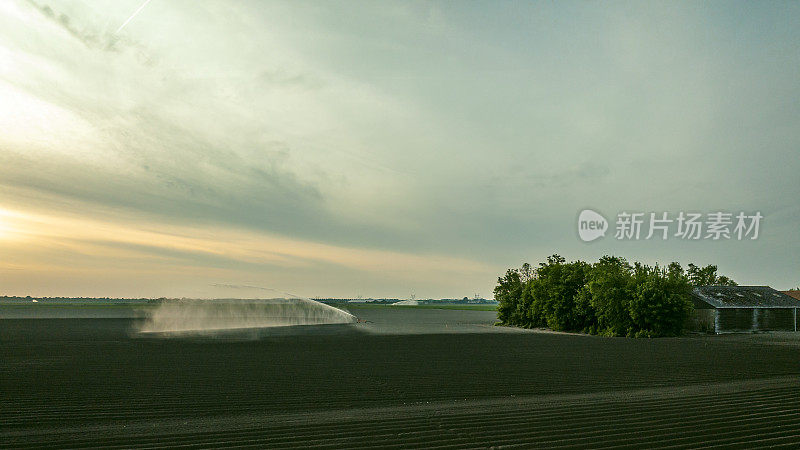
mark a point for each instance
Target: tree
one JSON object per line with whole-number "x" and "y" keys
{"x": 610, "y": 289}
{"x": 707, "y": 276}
{"x": 526, "y": 273}
{"x": 508, "y": 293}
{"x": 609, "y": 297}
{"x": 553, "y": 293}
{"x": 661, "y": 303}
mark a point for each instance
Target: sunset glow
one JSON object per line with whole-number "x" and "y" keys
{"x": 209, "y": 145}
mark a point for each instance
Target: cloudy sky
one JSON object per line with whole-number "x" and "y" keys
{"x": 246, "y": 148}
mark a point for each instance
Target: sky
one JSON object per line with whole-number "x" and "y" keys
{"x": 384, "y": 149}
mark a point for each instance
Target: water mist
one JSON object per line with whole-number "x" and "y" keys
{"x": 175, "y": 316}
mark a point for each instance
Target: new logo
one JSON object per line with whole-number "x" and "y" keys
{"x": 591, "y": 225}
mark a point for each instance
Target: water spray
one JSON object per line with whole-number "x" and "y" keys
{"x": 197, "y": 315}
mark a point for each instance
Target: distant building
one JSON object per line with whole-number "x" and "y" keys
{"x": 726, "y": 309}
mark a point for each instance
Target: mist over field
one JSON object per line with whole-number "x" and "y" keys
{"x": 200, "y": 316}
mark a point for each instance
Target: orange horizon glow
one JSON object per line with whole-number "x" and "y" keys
{"x": 40, "y": 243}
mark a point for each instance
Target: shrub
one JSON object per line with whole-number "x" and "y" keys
{"x": 552, "y": 295}
{"x": 661, "y": 303}
{"x": 610, "y": 297}
{"x": 508, "y": 293}
{"x": 610, "y": 289}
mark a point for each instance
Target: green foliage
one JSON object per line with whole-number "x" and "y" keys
{"x": 508, "y": 293}
{"x": 554, "y": 294}
{"x": 661, "y": 303}
{"x": 707, "y": 276}
{"x": 610, "y": 289}
{"x": 610, "y": 297}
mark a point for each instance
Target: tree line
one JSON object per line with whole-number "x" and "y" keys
{"x": 610, "y": 297}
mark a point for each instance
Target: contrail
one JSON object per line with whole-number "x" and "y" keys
{"x": 132, "y": 16}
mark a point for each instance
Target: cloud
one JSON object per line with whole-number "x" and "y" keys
{"x": 160, "y": 140}
{"x": 473, "y": 132}
{"x": 91, "y": 38}
{"x": 160, "y": 148}
{"x": 280, "y": 77}
{"x": 242, "y": 286}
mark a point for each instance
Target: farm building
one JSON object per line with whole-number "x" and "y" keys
{"x": 792, "y": 293}
{"x": 726, "y": 309}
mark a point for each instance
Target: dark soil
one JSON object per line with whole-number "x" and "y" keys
{"x": 93, "y": 382}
